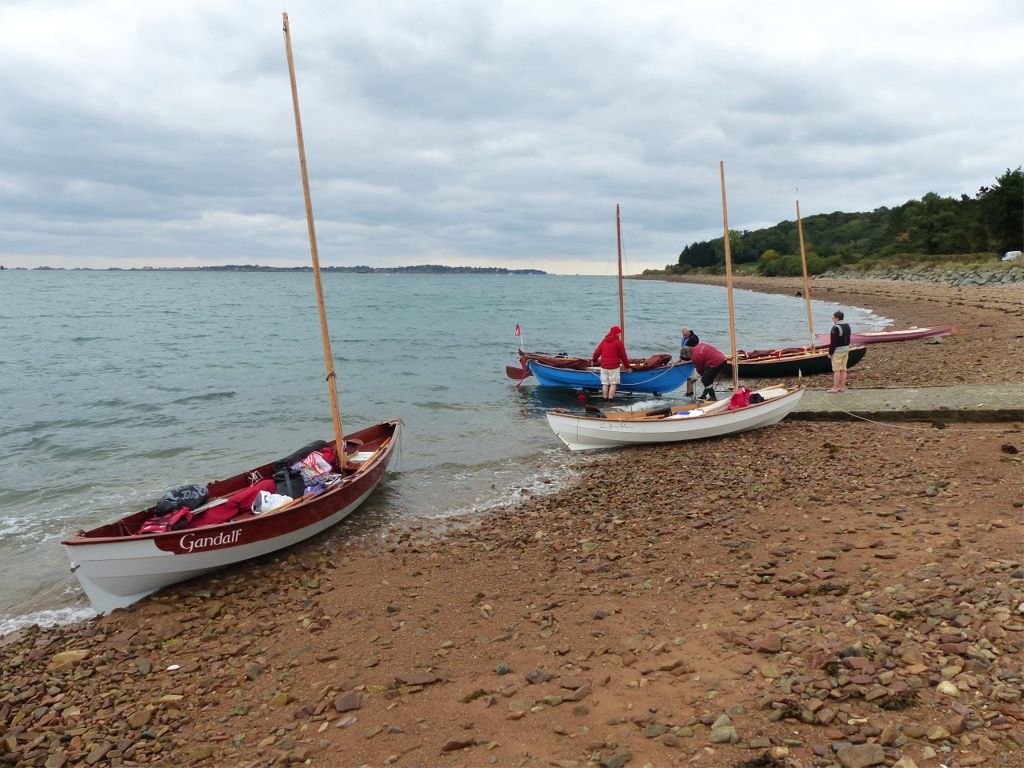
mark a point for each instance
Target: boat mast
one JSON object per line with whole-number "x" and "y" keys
{"x": 728, "y": 284}
{"x": 622, "y": 312}
{"x": 339, "y": 437}
{"x": 807, "y": 285}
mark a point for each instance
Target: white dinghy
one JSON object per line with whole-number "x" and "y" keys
{"x": 582, "y": 432}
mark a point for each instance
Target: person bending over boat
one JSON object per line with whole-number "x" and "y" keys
{"x": 839, "y": 351}
{"x": 708, "y": 362}
{"x": 611, "y": 352}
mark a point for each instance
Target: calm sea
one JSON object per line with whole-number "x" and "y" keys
{"x": 117, "y": 386}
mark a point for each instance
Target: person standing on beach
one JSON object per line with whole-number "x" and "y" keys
{"x": 689, "y": 340}
{"x": 839, "y": 351}
{"x": 611, "y": 352}
{"x": 708, "y": 362}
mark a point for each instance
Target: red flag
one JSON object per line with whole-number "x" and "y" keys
{"x": 519, "y": 331}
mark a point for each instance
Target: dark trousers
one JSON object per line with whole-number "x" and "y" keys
{"x": 710, "y": 374}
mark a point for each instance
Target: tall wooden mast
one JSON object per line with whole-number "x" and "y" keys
{"x": 728, "y": 284}
{"x": 332, "y": 385}
{"x": 622, "y": 311}
{"x": 807, "y": 284}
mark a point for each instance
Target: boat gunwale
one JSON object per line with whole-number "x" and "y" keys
{"x": 658, "y": 419}
{"x": 389, "y": 441}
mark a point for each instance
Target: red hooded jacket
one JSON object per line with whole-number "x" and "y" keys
{"x": 611, "y": 351}
{"x": 705, "y": 356}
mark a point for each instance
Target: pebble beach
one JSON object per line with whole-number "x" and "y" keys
{"x": 813, "y": 594}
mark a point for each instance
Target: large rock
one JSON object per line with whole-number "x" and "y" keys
{"x": 347, "y": 701}
{"x": 724, "y": 735}
{"x": 861, "y": 755}
{"x": 456, "y": 743}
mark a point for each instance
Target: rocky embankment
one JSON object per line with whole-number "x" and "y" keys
{"x": 956, "y": 276}
{"x": 807, "y": 595}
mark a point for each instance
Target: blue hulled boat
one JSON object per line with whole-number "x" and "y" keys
{"x": 653, "y": 381}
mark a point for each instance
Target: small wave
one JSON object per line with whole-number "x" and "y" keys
{"x": 85, "y": 339}
{"x": 203, "y": 398}
{"x": 49, "y": 618}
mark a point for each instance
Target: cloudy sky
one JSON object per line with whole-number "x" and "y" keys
{"x": 485, "y": 132}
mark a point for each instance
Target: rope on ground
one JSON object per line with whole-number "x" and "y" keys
{"x": 923, "y": 429}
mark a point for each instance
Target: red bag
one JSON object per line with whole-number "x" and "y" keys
{"x": 740, "y": 399}
{"x": 235, "y": 505}
{"x": 172, "y": 521}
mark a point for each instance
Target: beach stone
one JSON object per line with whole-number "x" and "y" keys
{"x": 140, "y": 718}
{"x": 937, "y": 733}
{"x": 98, "y": 752}
{"x": 722, "y": 722}
{"x": 56, "y": 760}
{"x": 67, "y": 658}
{"x": 503, "y": 669}
{"x": 760, "y": 742}
{"x": 145, "y": 666}
{"x": 346, "y": 702}
{"x": 724, "y": 735}
{"x": 456, "y": 743}
{"x": 905, "y": 762}
{"x": 772, "y": 643}
{"x": 948, "y": 688}
{"x": 537, "y": 676}
{"x": 617, "y": 759}
{"x": 654, "y": 730}
{"x": 198, "y": 754}
{"x": 415, "y": 678}
{"x": 861, "y": 755}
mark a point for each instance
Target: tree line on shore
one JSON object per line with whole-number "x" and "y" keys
{"x": 926, "y": 230}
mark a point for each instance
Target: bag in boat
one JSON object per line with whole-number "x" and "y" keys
{"x": 289, "y": 482}
{"x": 740, "y": 399}
{"x": 191, "y": 496}
{"x": 268, "y": 502}
{"x": 299, "y": 455}
{"x": 756, "y": 397}
{"x": 315, "y": 466}
{"x": 173, "y": 521}
{"x": 223, "y": 510}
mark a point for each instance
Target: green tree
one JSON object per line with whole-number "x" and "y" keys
{"x": 1001, "y": 212}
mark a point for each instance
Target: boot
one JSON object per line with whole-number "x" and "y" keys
{"x": 709, "y": 395}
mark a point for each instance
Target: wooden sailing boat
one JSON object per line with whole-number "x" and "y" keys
{"x": 654, "y": 375}
{"x": 587, "y": 431}
{"x": 795, "y": 361}
{"x": 117, "y": 566}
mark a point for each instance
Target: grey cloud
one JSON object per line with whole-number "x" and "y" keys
{"x": 460, "y": 131}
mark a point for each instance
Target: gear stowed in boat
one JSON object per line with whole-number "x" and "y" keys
{"x": 117, "y": 565}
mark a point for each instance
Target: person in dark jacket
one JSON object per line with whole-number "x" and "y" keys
{"x": 689, "y": 340}
{"x": 708, "y": 362}
{"x": 839, "y": 351}
{"x": 611, "y": 352}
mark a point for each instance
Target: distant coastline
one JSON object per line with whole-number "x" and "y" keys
{"x": 419, "y": 269}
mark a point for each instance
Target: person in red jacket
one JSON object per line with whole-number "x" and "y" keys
{"x": 611, "y": 352}
{"x": 708, "y": 362}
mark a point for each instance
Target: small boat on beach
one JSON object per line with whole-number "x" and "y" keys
{"x": 783, "y": 363}
{"x": 654, "y": 376}
{"x": 905, "y": 334}
{"x": 581, "y": 432}
{"x": 122, "y": 562}
{"x": 117, "y": 566}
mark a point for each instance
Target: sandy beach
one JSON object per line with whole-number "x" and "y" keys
{"x": 813, "y": 594}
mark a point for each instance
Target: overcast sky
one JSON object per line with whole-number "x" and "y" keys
{"x": 486, "y": 132}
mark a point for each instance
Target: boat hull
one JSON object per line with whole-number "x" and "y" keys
{"x": 581, "y": 433}
{"x": 116, "y": 571}
{"x": 656, "y": 381}
{"x": 907, "y": 334}
{"x": 808, "y": 364}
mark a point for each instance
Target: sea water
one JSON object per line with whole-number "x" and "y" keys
{"x": 116, "y": 386}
